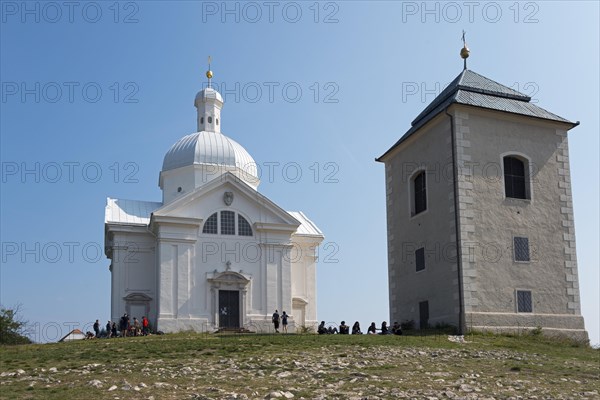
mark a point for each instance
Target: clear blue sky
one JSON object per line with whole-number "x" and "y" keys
{"x": 94, "y": 95}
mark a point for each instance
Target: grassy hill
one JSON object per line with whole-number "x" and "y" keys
{"x": 199, "y": 366}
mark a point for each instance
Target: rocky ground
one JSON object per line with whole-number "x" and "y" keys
{"x": 298, "y": 367}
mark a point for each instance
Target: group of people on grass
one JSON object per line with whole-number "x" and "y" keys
{"x": 125, "y": 328}
{"x": 345, "y": 329}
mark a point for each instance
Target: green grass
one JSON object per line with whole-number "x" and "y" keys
{"x": 331, "y": 365}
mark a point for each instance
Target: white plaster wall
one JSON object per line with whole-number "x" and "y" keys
{"x": 489, "y": 221}
{"x": 133, "y": 267}
{"x": 434, "y": 228}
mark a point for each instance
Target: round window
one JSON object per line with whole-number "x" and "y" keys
{"x": 210, "y": 120}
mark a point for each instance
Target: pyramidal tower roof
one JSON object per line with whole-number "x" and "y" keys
{"x": 471, "y": 89}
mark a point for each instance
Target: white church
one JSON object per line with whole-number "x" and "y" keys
{"x": 215, "y": 253}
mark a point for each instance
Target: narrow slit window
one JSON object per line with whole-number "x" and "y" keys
{"x": 420, "y": 259}
{"x": 420, "y": 193}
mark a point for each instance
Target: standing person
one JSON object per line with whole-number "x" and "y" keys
{"x": 108, "y": 328}
{"x": 356, "y": 329}
{"x": 123, "y": 325}
{"x": 145, "y": 325}
{"x": 275, "y": 320}
{"x": 113, "y": 329}
{"x": 284, "y": 318}
{"x": 97, "y": 328}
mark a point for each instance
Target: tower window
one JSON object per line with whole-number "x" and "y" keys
{"x": 227, "y": 223}
{"x": 524, "y": 301}
{"x": 515, "y": 178}
{"x": 419, "y": 193}
{"x": 244, "y": 228}
{"x": 521, "y": 247}
{"x": 210, "y": 226}
{"x": 210, "y": 120}
{"x": 201, "y": 120}
{"x": 217, "y": 121}
{"x": 420, "y": 259}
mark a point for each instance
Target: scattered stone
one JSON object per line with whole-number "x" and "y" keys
{"x": 95, "y": 383}
{"x": 53, "y": 370}
{"x": 113, "y": 387}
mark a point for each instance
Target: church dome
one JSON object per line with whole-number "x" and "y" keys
{"x": 209, "y": 148}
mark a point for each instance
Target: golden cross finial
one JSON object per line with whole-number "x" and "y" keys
{"x": 209, "y": 73}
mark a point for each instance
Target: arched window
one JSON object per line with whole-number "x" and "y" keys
{"x": 244, "y": 228}
{"x": 419, "y": 193}
{"x": 210, "y": 226}
{"x": 201, "y": 120}
{"x": 225, "y": 223}
{"x": 515, "y": 178}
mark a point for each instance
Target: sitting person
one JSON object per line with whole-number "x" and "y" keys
{"x": 356, "y": 329}
{"x": 331, "y": 330}
{"x": 137, "y": 327}
{"x": 321, "y": 330}
{"x": 384, "y": 329}
{"x": 344, "y": 329}
{"x": 372, "y": 329}
{"x": 396, "y": 329}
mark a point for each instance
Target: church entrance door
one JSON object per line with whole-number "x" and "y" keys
{"x": 229, "y": 308}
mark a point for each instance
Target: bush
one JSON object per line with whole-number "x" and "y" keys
{"x": 13, "y": 329}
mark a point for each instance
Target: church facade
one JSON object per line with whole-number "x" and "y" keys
{"x": 480, "y": 214}
{"x": 215, "y": 253}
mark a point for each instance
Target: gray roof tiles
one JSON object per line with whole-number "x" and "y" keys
{"x": 472, "y": 89}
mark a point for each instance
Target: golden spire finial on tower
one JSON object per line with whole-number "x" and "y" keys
{"x": 464, "y": 52}
{"x": 209, "y": 73}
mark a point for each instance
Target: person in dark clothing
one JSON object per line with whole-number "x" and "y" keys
{"x": 124, "y": 325}
{"x": 331, "y": 330}
{"x": 97, "y": 328}
{"x": 113, "y": 329}
{"x": 384, "y": 329}
{"x": 275, "y": 320}
{"x": 321, "y": 330}
{"x": 284, "y": 322}
{"x": 344, "y": 329}
{"x": 372, "y": 329}
{"x": 108, "y": 328}
{"x": 396, "y": 329}
{"x": 356, "y": 329}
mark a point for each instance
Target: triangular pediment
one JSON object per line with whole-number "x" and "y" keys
{"x": 226, "y": 192}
